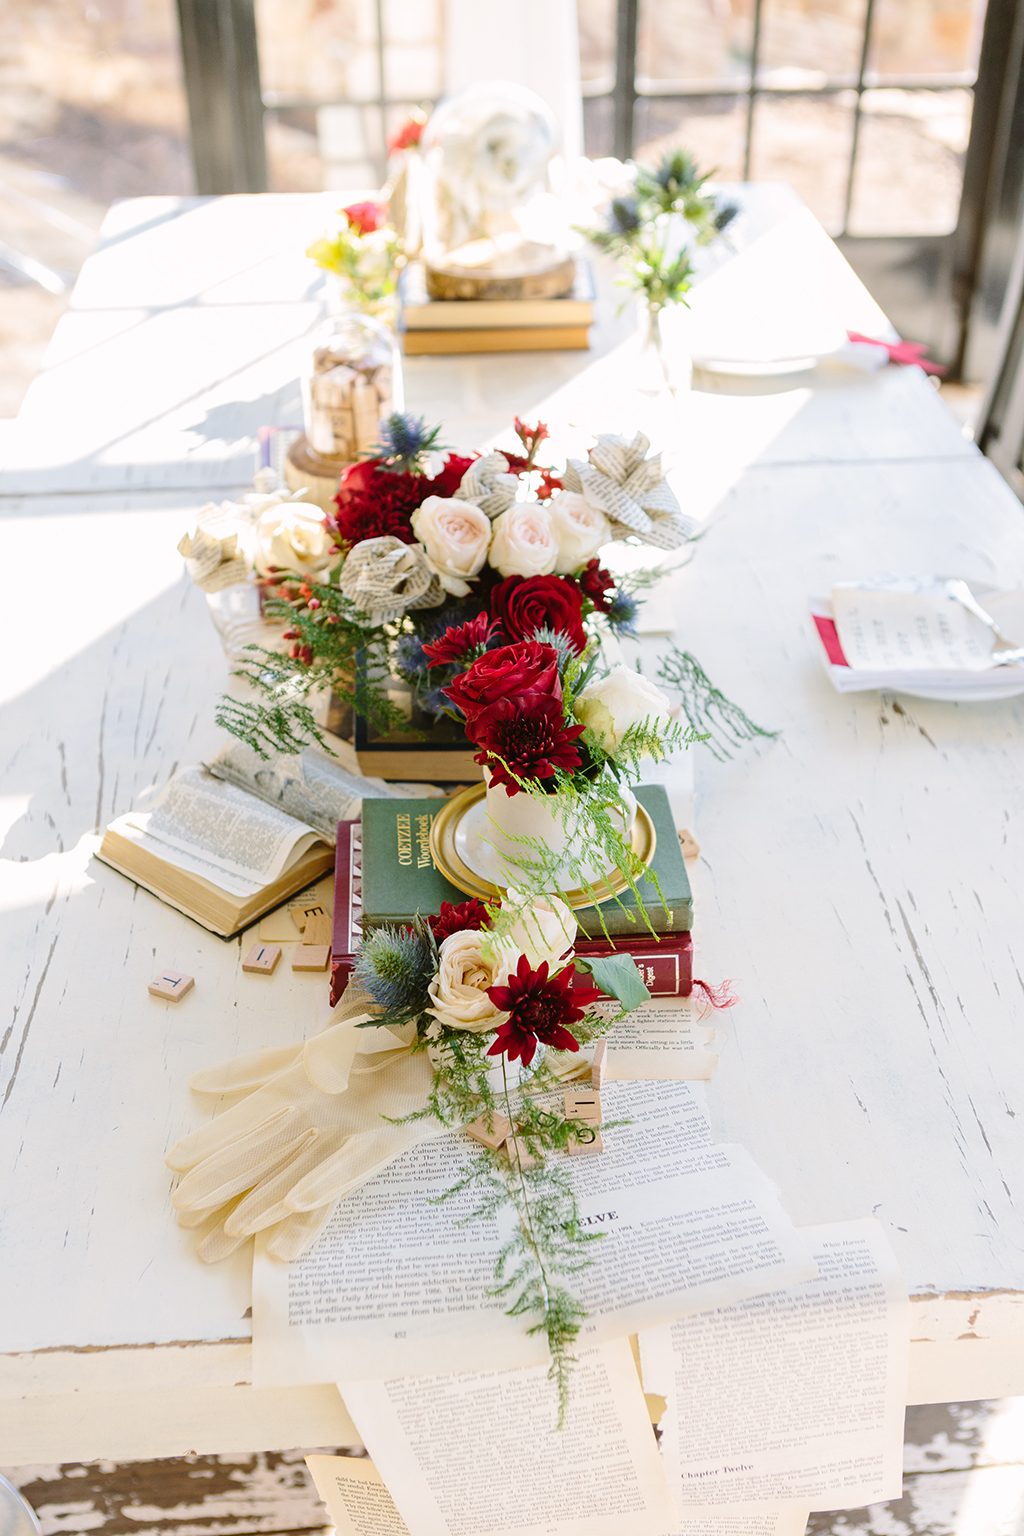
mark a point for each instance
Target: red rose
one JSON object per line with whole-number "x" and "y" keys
{"x": 447, "y": 481}
{"x": 524, "y": 738}
{"x": 471, "y": 914}
{"x": 595, "y": 583}
{"x": 459, "y": 640}
{"x": 507, "y": 673}
{"x": 524, "y": 605}
{"x": 365, "y": 218}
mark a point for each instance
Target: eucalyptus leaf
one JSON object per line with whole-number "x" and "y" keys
{"x": 618, "y": 976}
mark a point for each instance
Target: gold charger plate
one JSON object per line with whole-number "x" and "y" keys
{"x": 449, "y": 861}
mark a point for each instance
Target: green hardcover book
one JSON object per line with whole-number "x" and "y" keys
{"x": 400, "y": 877}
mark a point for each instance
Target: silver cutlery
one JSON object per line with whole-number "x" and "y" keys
{"x": 961, "y": 593}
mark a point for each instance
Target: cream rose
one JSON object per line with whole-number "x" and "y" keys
{"x": 290, "y": 536}
{"x": 455, "y": 535}
{"x": 524, "y": 541}
{"x": 458, "y": 992}
{"x": 544, "y": 929}
{"x": 580, "y": 530}
{"x": 622, "y": 699}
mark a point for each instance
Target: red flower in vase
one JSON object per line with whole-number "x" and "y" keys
{"x": 365, "y": 218}
{"x": 525, "y": 737}
{"x": 539, "y": 1007}
{"x": 448, "y": 478}
{"x": 524, "y": 605}
{"x": 507, "y": 673}
{"x": 471, "y": 914}
{"x": 459, "y": 640}
{"x": 596, "y": 583}
{"x": 373, "y": 501}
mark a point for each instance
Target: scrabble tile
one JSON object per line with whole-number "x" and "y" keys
{"x": 689, "y": 844}
{"x": 311, "y": 957}
{"x": 587, "y": 1144}
{"x": 490, "y": 1133}
{"x": 583, "y": 1104}
{"x": 519, "y": 1153}
{"x": 171, "y": 985}
{"x": 301, "y": 912}
{"x": 261, "y": 959}
{"x": 318, "y": 929}
{"x": 598, "y": 1065}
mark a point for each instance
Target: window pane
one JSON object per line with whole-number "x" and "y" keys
{"x": 926, "y": 37}
{"x": 803, "y": 42}
{"x": 806, "y": 141}
{"x": 596, "y": 21}
{"x": 910, "y": 162}
{"x": 697, "y": 41}
{"x": 326, "y": 50}
{"x": 711, "y": 129}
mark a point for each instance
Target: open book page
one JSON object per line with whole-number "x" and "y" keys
{"x": 475, "y": 1454}
{"x": 794, "y": 1397}
{"x": 310, "y": 785}
{"x": 357, "y": 1500}
{"x": 218, "y": 831}
{"x": 398, "y": 1284}
{"x": 760, "y": 1522}
{"x": 885, "y": 630}
{"x": 663, "y": 1040}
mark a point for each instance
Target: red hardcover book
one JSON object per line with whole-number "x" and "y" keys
{"x": 666, "y": 964}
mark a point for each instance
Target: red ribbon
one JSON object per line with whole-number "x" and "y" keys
{"x": 909, "y": 353}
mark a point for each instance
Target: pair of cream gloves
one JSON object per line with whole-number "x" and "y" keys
{"x": 309, "y": 1123}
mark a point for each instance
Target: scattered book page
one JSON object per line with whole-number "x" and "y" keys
{"x": 218, "y": 831}
{"x": 399, "y": 1284}
{"x": 883, "y": 630}
{"x": 794, "y": 1397}
{"x": 478, "y": 1453}
{"x": 663, "y": 1040}
{"x": 760, "y": 1522}
{"x": 357, "y": 1499}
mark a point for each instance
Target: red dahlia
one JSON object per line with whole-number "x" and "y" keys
{"x": 468, "y": 914}
{"x": 458, "y": 640}
{"x": 538, "y": 1007}
{"x": 506, "y": 673}
{"x": 523, "y": 605}
{"x": 595, "y": 583}
{"x": 525, "y": 736}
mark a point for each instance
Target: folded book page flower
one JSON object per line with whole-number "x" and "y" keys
{"x": 213, "y": 554}
{"x": 385, "y": 578}
{"x": 489, "y": 484}
{"x": 629, "y": 487}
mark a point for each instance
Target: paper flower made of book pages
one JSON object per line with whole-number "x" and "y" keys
{"x": 629, "y": 487}
{"x": 489, "y": 484}
{"x": 385, "y": 578}
{"x": 213, "y": 555}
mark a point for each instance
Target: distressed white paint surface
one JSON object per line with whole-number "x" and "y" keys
{"x": 857, "y": 878}
{"x": 185, "y": 337}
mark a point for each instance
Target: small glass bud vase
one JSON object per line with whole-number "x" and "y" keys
{"x": 664, "y": 363}
{"x": 353, "y": 384}
{"x": 494, "y": 222}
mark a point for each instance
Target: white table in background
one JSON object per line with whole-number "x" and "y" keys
{"x": 857, "y": 881}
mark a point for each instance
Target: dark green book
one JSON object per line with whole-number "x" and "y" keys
{"x": 400, "y": 877}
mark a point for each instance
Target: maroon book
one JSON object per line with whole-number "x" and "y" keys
{"x": 666, "y": 964}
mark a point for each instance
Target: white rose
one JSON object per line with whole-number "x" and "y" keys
{"x": 622, "y": 699}
{"x": 459, "y": 990}
{"x": 544, "y": 929}
{"x": 580, "y": 530}
{"x": 455, "y": 535}
{"x": 524, "y": 541}
{"x": 290, "y": 535}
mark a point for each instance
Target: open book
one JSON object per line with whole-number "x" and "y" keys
{"x": 228, "y": 842}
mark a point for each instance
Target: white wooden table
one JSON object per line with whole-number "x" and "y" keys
{"x": 858, "y": 881}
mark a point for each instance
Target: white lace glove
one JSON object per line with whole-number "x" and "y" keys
{"x": 314, "y": 1124}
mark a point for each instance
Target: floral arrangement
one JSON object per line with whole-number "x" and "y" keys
{"x": 364, "y": 252}
{"x": 653, "y": 226}
{"x": 431, "y": 558}
{"x": 480, "y": 1001}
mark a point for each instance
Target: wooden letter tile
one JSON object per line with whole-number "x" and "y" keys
{"x": 519, "y": 1154}
{"x": 318, "y": 929}
{"x": 689, "y": 844}
{"x": 261, "y": 959}
{"x": 589, "y": 1141}
{"x": 490, "y": 1133}
{"x": 599, "y": 1065}
{"x": 583, "y": 1105}
{"x": 171, "y": 985}
{"x": 311, "y": 957}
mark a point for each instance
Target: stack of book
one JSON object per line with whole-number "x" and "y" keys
{"x": 434, "y": 326}
{"x": 384, "y": 873}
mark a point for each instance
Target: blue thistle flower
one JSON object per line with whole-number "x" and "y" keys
{"x": 395, "y": 966}
{"x": 410, "y": 660}
{"x": 621, "y": 613}
{"x": 624, "y": 216}
{"x": 434, "y": 701}
{"x": 404, "y": 440}
{"x": 558, "y": 641}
